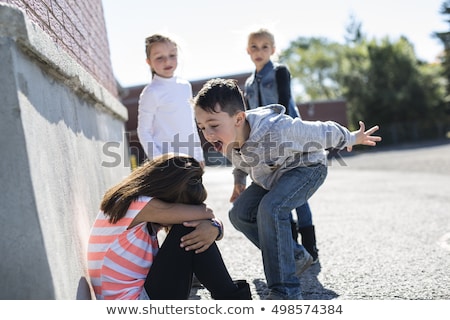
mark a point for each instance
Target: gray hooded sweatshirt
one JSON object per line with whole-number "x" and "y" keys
{"x": 278, "y": 143}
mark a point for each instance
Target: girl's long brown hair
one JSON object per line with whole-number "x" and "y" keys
{"x": 171, "y": 178}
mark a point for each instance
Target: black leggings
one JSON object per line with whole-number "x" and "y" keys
{"x": 170, "y": 276}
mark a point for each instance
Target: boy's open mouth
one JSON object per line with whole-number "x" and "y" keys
{"x": 217, "y": 146}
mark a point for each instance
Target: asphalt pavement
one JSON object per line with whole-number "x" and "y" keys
{"x": 382, "y": 222}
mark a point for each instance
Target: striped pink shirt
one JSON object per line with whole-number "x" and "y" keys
{"x": 120, "y": 259}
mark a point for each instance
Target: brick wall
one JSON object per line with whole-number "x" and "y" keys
{"x": 78, "y": 26}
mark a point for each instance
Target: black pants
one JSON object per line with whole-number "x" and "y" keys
{"x": 170, "y": 275}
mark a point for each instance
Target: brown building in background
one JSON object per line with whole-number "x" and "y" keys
{"x": 325, "y": 110}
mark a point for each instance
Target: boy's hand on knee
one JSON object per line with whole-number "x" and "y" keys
{"x": 237, "y": 190}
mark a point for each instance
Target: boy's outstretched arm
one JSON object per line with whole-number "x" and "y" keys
{"x": 365, "y": 137}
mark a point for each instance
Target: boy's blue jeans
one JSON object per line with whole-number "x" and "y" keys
{"x": 264, "y": 216}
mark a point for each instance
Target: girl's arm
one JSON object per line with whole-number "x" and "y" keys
{"x": 283, "y": 78}
{"x": 164, "y": 213}
{"x": 145, "y": 123}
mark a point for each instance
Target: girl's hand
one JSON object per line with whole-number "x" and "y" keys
{"x": 365, "y": 137}
{"x": 201, "y": 238}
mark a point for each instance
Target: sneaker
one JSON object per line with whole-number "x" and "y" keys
{"x": 308, "y": 236}
{"x": 303, "y": 263}
{"x": 273, "y": 295}
{"x": 314, "y": 252}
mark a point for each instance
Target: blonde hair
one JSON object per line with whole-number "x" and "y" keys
{"x": 262, "y": 33}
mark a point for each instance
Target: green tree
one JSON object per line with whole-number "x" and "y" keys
{"x": 445, "y": 58}
{"x": 445, "y": 38}
{"x": 395, "y": 94}
{"x": 382, "y": 81}
{"x": 314, "y": 63}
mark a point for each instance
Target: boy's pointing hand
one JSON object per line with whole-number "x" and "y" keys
{"x": 365, "y": 137}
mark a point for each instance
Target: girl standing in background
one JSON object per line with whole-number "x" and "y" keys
{"x": 165, "y": 117}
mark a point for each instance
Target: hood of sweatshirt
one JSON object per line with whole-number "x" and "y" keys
{"x": 262, "y": 119}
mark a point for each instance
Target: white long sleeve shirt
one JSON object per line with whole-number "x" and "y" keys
{"x": 166, "y": 120}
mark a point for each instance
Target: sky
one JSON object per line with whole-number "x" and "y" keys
{"x": 212, "y": 35}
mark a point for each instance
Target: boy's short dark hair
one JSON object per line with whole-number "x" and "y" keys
{"x": 224, "y": 92}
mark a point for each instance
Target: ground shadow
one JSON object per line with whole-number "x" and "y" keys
{"x": 312, "y": 289}
{"x": 311, "y": 286}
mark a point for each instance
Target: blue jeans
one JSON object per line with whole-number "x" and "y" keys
{"x": 304, "y": 216}
{"x": 264, "y": 217}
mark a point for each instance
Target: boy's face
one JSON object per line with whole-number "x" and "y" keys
{"x": 219, "y": 128}
{"x": 260, "y": 50}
